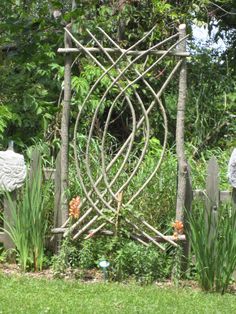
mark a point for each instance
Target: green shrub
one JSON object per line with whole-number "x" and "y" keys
{"x": 146, "y": 264}
{"x": 127, "y": 259}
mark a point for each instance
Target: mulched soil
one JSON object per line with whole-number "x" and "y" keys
{"x": 91, "y": 276}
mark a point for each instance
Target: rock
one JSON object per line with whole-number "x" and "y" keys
{"x": 12, "y": 170}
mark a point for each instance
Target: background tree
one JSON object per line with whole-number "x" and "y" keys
{"x": 32, "y": 70}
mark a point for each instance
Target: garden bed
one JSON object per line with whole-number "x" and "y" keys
{"x": 94, "y": 276}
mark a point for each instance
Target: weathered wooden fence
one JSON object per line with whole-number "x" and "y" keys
{"x": 211, "y": 195}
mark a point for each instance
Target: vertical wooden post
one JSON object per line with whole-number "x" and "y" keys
{"x": 234, "y": 208}
{"x": 188, "y": 208}
{"x": 57, "y": 201}
{"x": 65, "y": 131}
{"x": 8, "y": 243}
{"x": 65, "y": 123}
{"x": 213, "y": 196}
{"x": 35, "y": 164}
{"x": 182, "y": 164}
{"x": 2, "y": 234}
{"x": 234, "y": 198}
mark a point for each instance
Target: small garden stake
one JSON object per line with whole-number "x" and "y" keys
{"x": 104, "y": 265}
{"x": 119, "y": 204}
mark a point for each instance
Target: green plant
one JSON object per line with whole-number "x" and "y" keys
{"x": 130, "y": 259}
{"x": 29, "y": 220}
{"x": 88, "y": 254}
{"x": 127, "y": 258}
{"x": 214, "y": 246}
{"x": 177, "y": 263}
{"x": 3, "y": 255}
{"x": 67, "y": 258}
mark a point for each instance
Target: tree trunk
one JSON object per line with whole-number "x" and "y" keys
{"x": 65, "y": 125}
{"x": 182, "y": 164}
{"x": 65, "y": 130}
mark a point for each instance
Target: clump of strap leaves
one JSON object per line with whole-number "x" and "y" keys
{"x": 28, "y": 225}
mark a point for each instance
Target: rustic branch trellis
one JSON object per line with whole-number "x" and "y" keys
{"x": 101, "y": 195}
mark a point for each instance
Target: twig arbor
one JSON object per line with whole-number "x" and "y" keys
{"x": 102, "y": 191}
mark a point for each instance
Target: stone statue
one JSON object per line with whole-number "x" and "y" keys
{"x": 12, "y": 169}
{"x": 232, "y": 169}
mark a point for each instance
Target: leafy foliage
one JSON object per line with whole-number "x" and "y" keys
{"x": 214, "y": 245}
{"x": 32, "y": 72}
{"x": 67, "y": 258}
{"x": 29, "y": 222}
{"x": 127, "y": 259}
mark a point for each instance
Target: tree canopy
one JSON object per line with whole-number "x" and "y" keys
{"x": 31, "y": 70}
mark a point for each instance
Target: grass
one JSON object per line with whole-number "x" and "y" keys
{"x": 27, "y": 295}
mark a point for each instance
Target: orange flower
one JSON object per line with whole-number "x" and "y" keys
{"x": 178, "y": 228}
{"x": 74, "y": 207}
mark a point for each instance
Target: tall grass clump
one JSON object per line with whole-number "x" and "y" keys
{"x": 213, "y": 241}
{"x": 28, "y": 224}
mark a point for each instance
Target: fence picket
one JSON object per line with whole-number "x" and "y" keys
{"x": 57, "y": 201}
{"x": 188, "y": 208}
{"x": 234, "y": 198}
{"x": 213, "y": 196}
{"x": 8, "y": 243}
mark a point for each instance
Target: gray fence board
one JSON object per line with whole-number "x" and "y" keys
{"x": 8, "y": 243}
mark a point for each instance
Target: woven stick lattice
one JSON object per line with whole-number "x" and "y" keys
{"x": 102, "y": 191}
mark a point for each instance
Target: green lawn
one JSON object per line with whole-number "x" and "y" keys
{"x": 25, "y": 295}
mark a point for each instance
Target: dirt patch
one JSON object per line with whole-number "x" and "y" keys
{"x": 14, "y": 269}
{"x": 91, "y": 275}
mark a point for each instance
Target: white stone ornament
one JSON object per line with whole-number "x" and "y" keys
{"x": 12, "y": 170}
{"x": 232, "y": 169}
